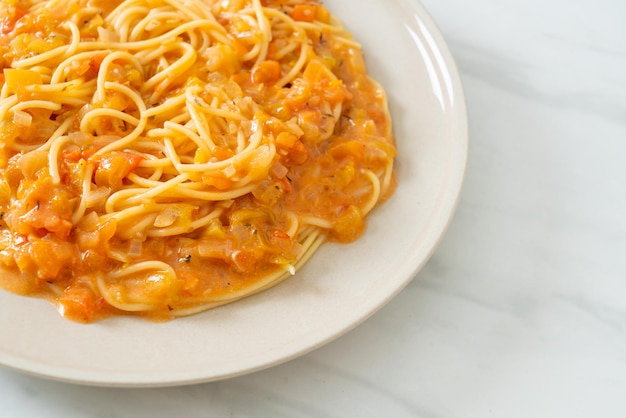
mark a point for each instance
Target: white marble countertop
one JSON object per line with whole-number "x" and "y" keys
{"x": 522, "y": 310}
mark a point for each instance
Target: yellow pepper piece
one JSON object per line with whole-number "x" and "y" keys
{"x": 17, "y": 80}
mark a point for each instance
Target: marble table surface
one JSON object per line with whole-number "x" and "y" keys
{"x": 521, "y": 312}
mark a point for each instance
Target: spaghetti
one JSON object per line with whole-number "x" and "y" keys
{"x": 163, "y": 157}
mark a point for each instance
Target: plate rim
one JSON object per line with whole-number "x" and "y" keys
{"x": 69, "y": 375}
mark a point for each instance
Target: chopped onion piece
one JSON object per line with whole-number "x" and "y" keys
{"x": 107, "y": 35}
{"x": 97, "y": 196}
{"x": 278, "y": 170}
{"x": 229, "y": 171}
{"x": 80, "y": 138}
{"x": 21, "y": 118}
{"x": 135, "y": 248}
{"x": 166, "y": 217}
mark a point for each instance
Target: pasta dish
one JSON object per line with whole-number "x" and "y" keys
{"x": 163, "y": 157}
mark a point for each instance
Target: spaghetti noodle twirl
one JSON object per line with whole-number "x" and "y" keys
{"x": 163, "y": 157}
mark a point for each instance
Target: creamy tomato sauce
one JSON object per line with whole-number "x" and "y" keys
{"x": 102, "y": 210}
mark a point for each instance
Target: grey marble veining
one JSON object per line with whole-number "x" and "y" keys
{"x": 521, "y": 312}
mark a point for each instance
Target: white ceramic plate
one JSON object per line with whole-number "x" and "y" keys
{"x": 340, "y": 287}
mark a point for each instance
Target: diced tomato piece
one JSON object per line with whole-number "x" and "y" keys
{"x": 304, "y": 12}
{"x": 113, "y": 167}
{"x": 11, "y": 16}
{"x": 350, "y": 225}
{"x": 267, "y": 72}
{"x": 217, "y": 180}
{"x": 74, "y": 156}
{"x": 81, "y": 304}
